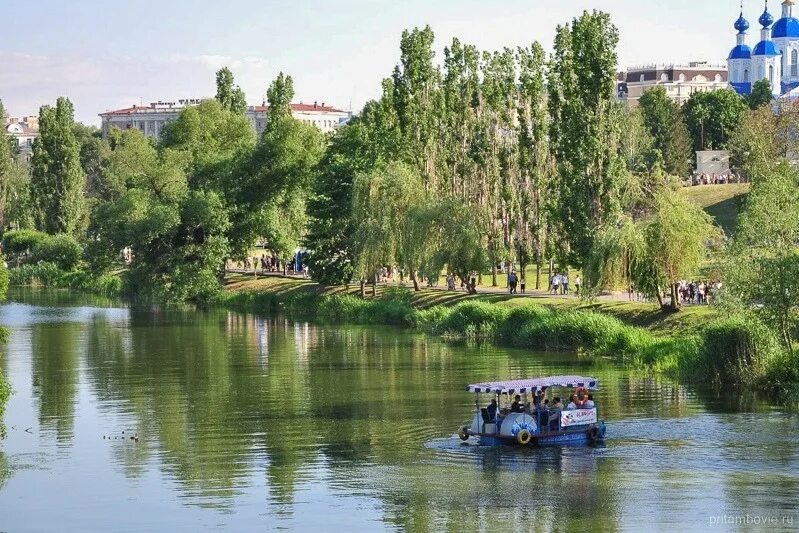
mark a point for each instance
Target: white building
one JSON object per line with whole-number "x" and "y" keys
{"x": 680, "y": 81}
{"x": 152, "y": 119}
{"x": 24, "y": 130}
{"x": 774, "y": 58}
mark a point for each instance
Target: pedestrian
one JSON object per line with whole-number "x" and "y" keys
{"x": 565, "y": 284}
{"x": 512, "y": 282}
{"x": 577, "y": 283}
{"x": 523, "y": 284}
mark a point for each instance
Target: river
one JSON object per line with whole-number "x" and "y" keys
{"x": 246, "y": 423}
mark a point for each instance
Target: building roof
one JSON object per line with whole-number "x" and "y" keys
{"x": 765, "y": 48}
{"x": 742, "y": 88}
{"x": 741, "y": 51}
{"x": 785, "y": 27}
{"x": 297, "y": 108}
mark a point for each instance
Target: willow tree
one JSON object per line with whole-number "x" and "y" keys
{"x": 584, "y": 131}
{"x": 57, "y": 179}
{"x": 382, "y": 202}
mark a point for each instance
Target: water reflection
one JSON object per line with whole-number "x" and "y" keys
{"x": 255, "y": 419}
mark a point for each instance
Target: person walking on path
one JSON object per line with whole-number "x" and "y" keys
{"x": 512, "y": 282}
{"x": 523, "y": 283}
{"x": 577, "y": 283}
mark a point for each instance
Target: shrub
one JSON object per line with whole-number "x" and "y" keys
{"x": 61, "y": 249}
{"x": 20, "y": 242}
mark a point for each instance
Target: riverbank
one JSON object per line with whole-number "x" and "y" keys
{"x": 697, "y": 344}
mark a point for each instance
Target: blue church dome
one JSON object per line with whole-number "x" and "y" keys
{"x": 785, "y": 27}
{"x": 765, "y": 48}
{"x": 741, "y": 24}
{"x": 741, "y": 51}
{"x": 766, "y": 19}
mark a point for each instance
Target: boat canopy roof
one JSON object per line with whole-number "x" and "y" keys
{"x": 522, "y": 386}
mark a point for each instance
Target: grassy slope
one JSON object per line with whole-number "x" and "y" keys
{"x": 722, "y": 202}
{"x": 638, "y": 314}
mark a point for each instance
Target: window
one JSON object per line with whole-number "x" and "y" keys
{"x": 794, "y": 63}
{"x": 664, "y": 77}
{"x": 746, "y": 75}
{"x": 771, "y": 74}
{"x": 641, "y": 79}
{"x": 682, "y": 77}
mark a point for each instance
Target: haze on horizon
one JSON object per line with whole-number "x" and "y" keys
{"x": 111, "y": 55}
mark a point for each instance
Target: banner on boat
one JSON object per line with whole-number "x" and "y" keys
{"x": 578, "y": 417}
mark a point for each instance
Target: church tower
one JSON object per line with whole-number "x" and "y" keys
{"x": 739, "y": 62}
{"x": 785, "y": 35}
{"x": 766, "y": 57}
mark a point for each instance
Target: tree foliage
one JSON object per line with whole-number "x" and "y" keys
{"x": 585, "y": 131}
{"x": 761, "y": 94}
{"x": 230, "y": 96}
{"x": 713, "y": 117}
{"x": 58, "y": 181}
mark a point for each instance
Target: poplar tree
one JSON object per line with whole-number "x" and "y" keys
{"x": 57, "y": 179}
{"x": 229, "y": 95}
{"x": 584, "y": 131}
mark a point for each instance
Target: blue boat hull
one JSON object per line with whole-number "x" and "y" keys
{"x": 560, "y": 438}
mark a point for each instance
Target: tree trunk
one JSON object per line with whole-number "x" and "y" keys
{"x": 660, "y": 298}
{"x": 538, "y": 275}
{"x": 494, "y": 275}
{"x": 415, "y": 281}
{"x": 363, "y": 288}
{"x": 374, "y": 286}
{"x": 675, "y": 301}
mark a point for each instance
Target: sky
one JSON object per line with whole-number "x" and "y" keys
{"x": 109, "y": 55}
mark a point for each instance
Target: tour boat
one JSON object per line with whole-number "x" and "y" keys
{"x": 535, "y": 426}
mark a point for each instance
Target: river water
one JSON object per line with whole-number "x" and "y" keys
{"x": 248, "y": 423}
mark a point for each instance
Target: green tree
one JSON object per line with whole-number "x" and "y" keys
{"x": 280, "y": 177}
{"x": 713, "y": 117}
{"x": 382, "y": 202}
{"x": 665, "y": 122}
{"x": 57, "y": 180}
{"x": 761, "y": 94}
{"x": 678, "y": 237}
{"x": 229, "y": 95}
{"x": 94, "y": 153}
{"x": 584, "y": 131}
{"x": 762, "y": 270}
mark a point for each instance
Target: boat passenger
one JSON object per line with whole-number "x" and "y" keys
{"x": 558, "y": 404}
{"x": 572, "y": 404}
{"x": 516, "y": 406}
{"x": 589, "y": 404}
{"x": 492, "y": 409}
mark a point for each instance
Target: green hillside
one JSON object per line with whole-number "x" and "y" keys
{"x": 722, "y": 202}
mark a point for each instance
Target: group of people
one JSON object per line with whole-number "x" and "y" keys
{"x": 712, "y": 179}
{"x": 559, "y": 284}
{"x": 547, "y": 413}
{"x": 697, "y": 292}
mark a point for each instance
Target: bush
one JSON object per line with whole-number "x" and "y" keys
{"x": 21, "y": 242}
{"x": 61, "y": 249}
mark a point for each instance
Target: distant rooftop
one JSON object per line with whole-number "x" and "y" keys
{"x": 161, "y": 107}
{"x": 693, "y": 65}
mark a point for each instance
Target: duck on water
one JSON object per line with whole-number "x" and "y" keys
{"x": 531, "y": 418}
